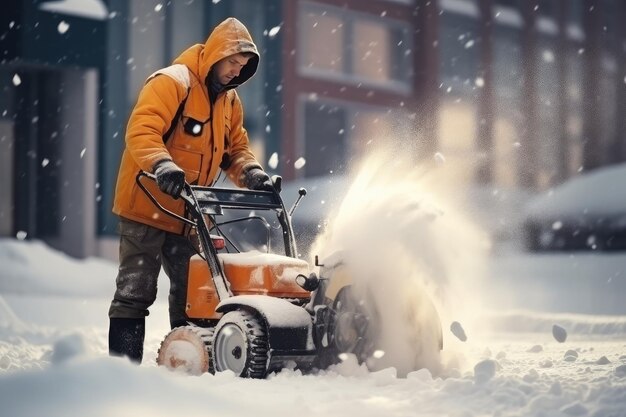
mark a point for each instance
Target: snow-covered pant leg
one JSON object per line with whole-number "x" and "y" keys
{"x": 176, "y": 253}
{"x": 140, "y": 263}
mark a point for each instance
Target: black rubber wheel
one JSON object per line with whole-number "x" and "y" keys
{"x": 240, "y": 345}
{"x": 353, "y": 328}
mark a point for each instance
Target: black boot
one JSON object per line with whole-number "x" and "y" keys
{"x": 126, "y": 338}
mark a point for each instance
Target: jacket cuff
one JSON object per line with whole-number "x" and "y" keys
{"x": 159, "y": 162}
{"x": 248, "y": 167}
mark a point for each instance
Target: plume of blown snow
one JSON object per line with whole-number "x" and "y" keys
{"x": 408, "y": 250}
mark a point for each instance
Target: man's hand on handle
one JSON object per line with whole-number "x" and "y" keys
{"x": 257, "y": 179}
{"x": 169, "y": 177}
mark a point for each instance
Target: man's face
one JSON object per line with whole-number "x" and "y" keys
{"x": 228, "y": 68}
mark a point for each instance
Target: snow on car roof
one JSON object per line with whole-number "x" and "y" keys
{"x": 596, "y": 193}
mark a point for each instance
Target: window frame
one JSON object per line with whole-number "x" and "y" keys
{"x": 347, "y": 75}
{"x": 351, "y": 108}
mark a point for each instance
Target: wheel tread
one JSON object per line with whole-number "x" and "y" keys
{"x": 205, "y": 334}
{"x": 257, "y": 344}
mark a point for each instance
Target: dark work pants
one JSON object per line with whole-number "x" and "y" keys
{"x": 143, "y": 249}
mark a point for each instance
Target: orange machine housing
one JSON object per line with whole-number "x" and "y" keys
{"x": 246, "y": 273}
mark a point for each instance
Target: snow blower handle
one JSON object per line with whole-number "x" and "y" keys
{"x": 277, "y": 183}
{"x": 186, "y": 194}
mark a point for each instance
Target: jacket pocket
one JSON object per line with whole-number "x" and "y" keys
{"x": 189, "y": 160}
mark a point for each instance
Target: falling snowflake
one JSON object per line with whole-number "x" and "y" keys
{"x": 301, "y": 162}
{"x": 63, "y": 27}
{"x": 273, "y": 161}
{"x": 82, "y": 153}
{"x": 17, "y": 80}
{"x": 591, "y": 242}
{"x": 45, "y": 162}
{"x": 557, "y": 225}
{"x": 439, "y": 158}
{"x": 215, "y": 1}
{"x": 158, "y": 7}
{"x": 21, "y": 235}
{"x": 273, "y": 31}
{"x": 268, "y": 129}
{"x": 479, "y": 82}
{"x": 469, "y": 44}
{"x": 548, "y": 56}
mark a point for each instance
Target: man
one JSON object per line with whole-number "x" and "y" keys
{"x": 186, "y": 126}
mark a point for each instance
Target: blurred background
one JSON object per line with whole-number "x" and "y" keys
{"x": 526, "y": 96}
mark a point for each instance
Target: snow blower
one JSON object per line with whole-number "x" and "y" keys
{"x": 256, "y": 312}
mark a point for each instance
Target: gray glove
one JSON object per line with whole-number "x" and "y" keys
{"x": 169, "y": 177}
{"x": 257, "y": 179}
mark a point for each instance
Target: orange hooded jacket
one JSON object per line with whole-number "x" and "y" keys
{"x": 200, "y": 152}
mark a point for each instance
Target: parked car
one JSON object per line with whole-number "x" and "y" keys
{"x": 587, "y": 212}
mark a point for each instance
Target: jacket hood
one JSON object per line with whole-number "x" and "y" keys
{"x": 228, "y": 38}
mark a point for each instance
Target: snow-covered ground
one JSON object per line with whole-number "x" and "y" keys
{"x": 546, "y": 335}
{"x": 53, "y": 360}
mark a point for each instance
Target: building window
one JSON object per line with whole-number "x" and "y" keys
{"x": 336, "y": 133}
{"x": 353, "y": 47}
{"x": 508, "y": 122}
{"x": 325, "y": 145}
{"x": 457, "y": 133}
{"x": 459, "y": 52}
{"x": 324, "y": 35}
